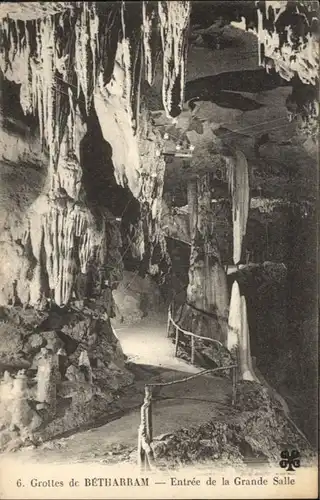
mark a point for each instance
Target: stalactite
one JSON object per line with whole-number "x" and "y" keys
{"x": 238, "y": 179}
{"x": 94, "y": 40}
{"x": 126, "y": 62}
{"x": 82, "y": 43}
{"x": 285, "y": 47}
{"x": 131, "y": 45}
{"x": 76, "y": 49}
{"x": 40, "y": 74}
{"x": 150, "y": 19}
{"x": 87, "y": 50}
{"x": 71, "y": 122}
{"x": 46, "y": 85}
{"x": 36, "y": 75}
{"x": 174, "y": 19}
{"x": 64, "y": 239}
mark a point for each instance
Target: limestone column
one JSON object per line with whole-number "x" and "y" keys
{"x": 238, "y": 334}
{"x": 47, "y": 379}
{"x": 207, "y": 290}
{"x": 19, "y": 418}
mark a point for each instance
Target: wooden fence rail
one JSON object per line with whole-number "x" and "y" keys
{"x": 178, "y": 330}
{"x": 146, "y": 459}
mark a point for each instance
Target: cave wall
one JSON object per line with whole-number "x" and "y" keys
{"x": 77, "y": 132}
{"x": 61, "y": 363}
{"x": 60, "y": 244}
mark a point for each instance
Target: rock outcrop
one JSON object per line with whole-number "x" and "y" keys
{"x": 60, "y": 251}
{"x": 256, "y": 434}
{"x": 63, "y": 370}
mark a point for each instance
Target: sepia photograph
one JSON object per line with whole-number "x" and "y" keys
{"x": 159, "y": 193}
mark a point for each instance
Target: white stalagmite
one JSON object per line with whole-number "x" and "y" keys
{"x": 234, "y": 322}
{"x": 238, "y": 333}
{"x": 238, "y": 179}
{"x": 174, "y": 19}
{"x": 244, "y": 344}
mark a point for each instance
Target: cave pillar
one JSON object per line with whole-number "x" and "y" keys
{"x": 47, "y": 379}
{"x": 238, "y": 334}
{"x": 19, "y": 396}
{"x": 207, "y": 290}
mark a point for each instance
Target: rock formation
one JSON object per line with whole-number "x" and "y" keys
{"x": 57, "y": 248}
{"x": 207, "y": 293}
{"x": 75, "y": 78}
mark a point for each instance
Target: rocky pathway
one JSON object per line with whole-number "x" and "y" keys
{"x": 147, "y": 343}
{"x": 151, "y": 356}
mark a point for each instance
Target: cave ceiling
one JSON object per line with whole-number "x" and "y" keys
{"x": 25, "y": 11}
{"x": 155, "y": 117}
{"x": 227, "y": 91}
{"x": 232, "y": 103}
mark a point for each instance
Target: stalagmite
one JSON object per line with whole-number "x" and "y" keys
{"x": 234, "y": 322}
{"x": 47, "y": 379}
{"x": 244, "y": 345}
{"x": 238, "y": 334}
{"x": 6, "y": 398}
{"x": 19, "y": 406}
{"x": 84, "y": 363}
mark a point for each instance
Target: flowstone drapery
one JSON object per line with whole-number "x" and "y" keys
{"x": 65, "y": 65}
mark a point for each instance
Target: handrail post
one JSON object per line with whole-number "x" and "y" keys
{"x": 148, "y": 392}
{"x": 177, "y": 342}
{"x": 145, "y": 453}
{"x": 192, "y": 350}
{"x": 141, "y": 451}
{"x": 234, "y": 385}
{"x": 169, "y": 321}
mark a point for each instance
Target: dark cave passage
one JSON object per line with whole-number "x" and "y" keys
{"x": 280, "y": 321}
{"x": 98, "y": 177}
{"x": 12, "y": 117}
{"x": 220, "y": 88}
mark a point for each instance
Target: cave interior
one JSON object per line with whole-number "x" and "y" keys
{"x": 139, "y": 176}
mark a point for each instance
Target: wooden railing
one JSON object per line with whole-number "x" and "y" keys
{"x": 178, "y": 330}
{"x": 146, "y": 459}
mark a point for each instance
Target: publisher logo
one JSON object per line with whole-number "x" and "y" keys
{"x": 290, "y": 461}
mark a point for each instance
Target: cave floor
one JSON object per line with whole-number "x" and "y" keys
{"x": 151, "y": 358}
{"x": 146, "y": 343}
